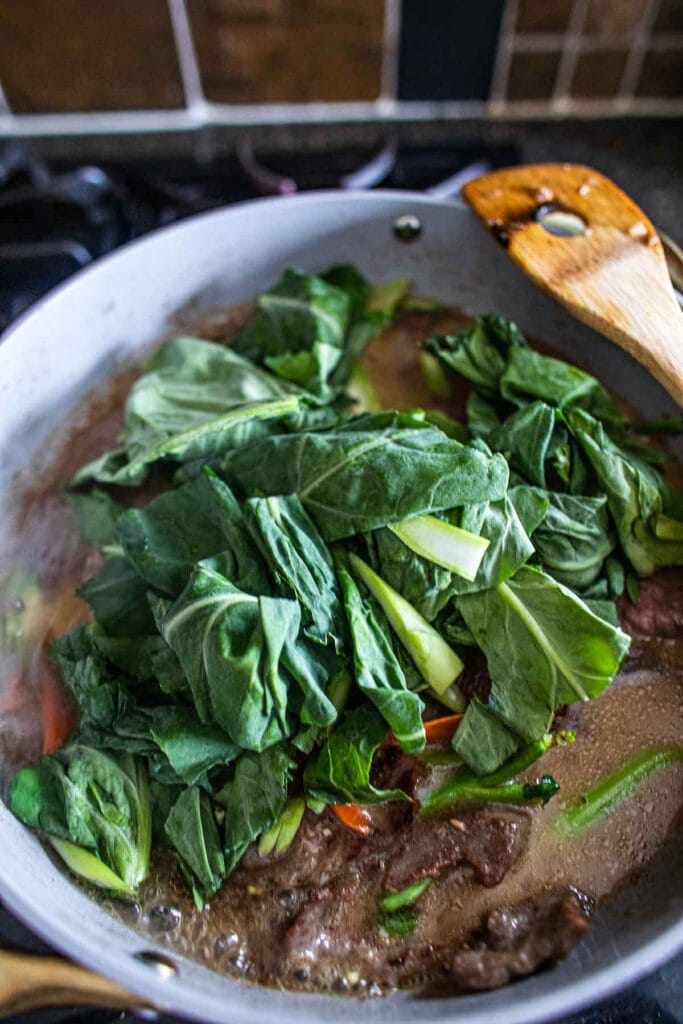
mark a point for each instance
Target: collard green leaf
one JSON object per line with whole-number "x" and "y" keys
{"x": 341, "y": 771}
{"x": 118, "y": 598}
{"x": 191, "y": 827}
{"x": 191, "y": 747}
{"x": 301, "y": 563}
{"x": 543, "y": 648}
{"x": 527, "y": 439}
{"x": 254, "y": 799}
{"x": 377, "y": 670}
{"x": 575, "y": 538}
{"x": 483, "y": 740}
{"x": 529, "y": 375}
{"x": 299, "y": 330}
{"x": 184, "y": 525}
{"x": 479, "y": 353}
{"x": 96, "y": 513}
{"x": 635, "y": 496}
{"x": 352, "y": 480}
{"x": 230, "y": 645}
{"x": 94, "y": 800}
{"x": 195, "y": 400}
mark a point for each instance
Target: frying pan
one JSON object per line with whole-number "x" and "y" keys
{"x": 72, "y": 341}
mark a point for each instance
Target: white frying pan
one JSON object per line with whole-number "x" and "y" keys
{"x": 73, "y": 340}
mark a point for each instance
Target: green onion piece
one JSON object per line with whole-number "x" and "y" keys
{"x": 578, "y": 816}
{"x": 398, "y": 900}
{"x": 398, "y": 925}
{"x": 438, "y": 663}
{"x": 84, "y": 863}
{"x": 442, "y": 543}
{"x": 279, "y": 837}
{"x": 435, "y": 376}
{"x": 362, "y": 391}
{"x": 667, "y": 528}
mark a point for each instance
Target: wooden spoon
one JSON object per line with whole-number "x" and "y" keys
{"x": 612, "y": 275}
{"x": 28, "y": 982}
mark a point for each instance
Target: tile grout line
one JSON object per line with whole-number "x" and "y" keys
{"x": 501, "y": 66}
{"x": 391, "y": 38}
{"x": 634, "y": 62}
{"x": 570, "y": 51}
{"x": 186, "y": 53}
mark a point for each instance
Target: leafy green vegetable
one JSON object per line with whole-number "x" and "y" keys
{"x": 97, "y": 803}
{"x": 576, "y": 817}
{"x": 96, "y": 513}
{"x": 483, "y": 740}
{"x": 543, "y": 647}
{"x": 575, "y": 538}
{"x": 192, "y": 747}
{"x": 221, "y": 634}
{"x": 397, "y": 900}
{"x": 184, "y": 525}
{"x": 300, "y": 561}
{"x": 636, "y": 496}
{"x": 377, "y": 670}
{"x": 340, "y": 773}
{"x": 478, "y": 353}
{"x": 528, "y": 375}
{"x": 254, "y": 799}
{"x": 191, "y": 828}
{"x": 528, "y": 439}
{"x": 351, "y": 480}
{"x": 118, "y": 598}
{"x": 299, "y": 330}
{"x": 438, "y": 663}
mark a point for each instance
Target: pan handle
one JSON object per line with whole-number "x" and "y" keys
{"x": 28, "y": 982}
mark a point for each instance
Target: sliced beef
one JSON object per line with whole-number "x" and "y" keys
{"x": 517, "y": 941}
{"x": 488, "y": 843}
{"x": 659, "y": 609}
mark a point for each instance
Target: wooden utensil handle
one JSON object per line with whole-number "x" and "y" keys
{"x": 29, "y": 982}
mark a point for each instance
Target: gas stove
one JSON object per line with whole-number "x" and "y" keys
{"x": 57, "y": 218}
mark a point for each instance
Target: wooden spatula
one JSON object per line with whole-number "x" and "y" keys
{"x": 605, "y": 264}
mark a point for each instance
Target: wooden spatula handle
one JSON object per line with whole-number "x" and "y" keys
{"x": 613, "y": 277}
{"x": 28, "y": 982}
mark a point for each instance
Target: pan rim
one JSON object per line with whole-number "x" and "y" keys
{"x": 600, "y": 984}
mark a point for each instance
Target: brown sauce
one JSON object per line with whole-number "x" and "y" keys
{"x": 236, "y": 933}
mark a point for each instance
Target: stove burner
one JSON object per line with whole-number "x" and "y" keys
{"x": 55, "y": 219}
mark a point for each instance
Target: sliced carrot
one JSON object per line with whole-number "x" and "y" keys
{"x": 354, "y": 817}
{"x": 59, "y": 719}
{"x": 441, "y": 730}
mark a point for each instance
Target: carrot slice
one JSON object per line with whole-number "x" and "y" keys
{"x": 59, "y": 719}
{"x": 441, "y": 730}
{"x": 354, "y": 817}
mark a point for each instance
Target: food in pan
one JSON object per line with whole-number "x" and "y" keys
{"x": 342, "y": 714}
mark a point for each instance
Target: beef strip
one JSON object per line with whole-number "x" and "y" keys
{"x": 659, "y": 609}
{"x": 517, "y": 941}
{"x": 486, "y": 842}
{"x": 655, "y": 623}
{"x": 336, "y": 923}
